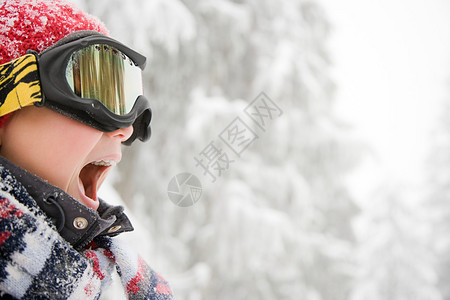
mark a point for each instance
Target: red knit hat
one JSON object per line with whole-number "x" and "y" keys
{"x": 38, "y": 24}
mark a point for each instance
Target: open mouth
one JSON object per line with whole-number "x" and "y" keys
{"x": 92, "y": 176}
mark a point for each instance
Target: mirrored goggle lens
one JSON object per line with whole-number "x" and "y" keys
{"x": 104, "y": 73}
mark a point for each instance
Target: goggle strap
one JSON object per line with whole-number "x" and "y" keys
{"x": 19, "y": 84}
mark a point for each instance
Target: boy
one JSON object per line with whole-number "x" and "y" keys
{"x": 70, "y": 96}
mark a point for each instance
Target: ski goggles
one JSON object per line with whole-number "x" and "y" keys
{"x": 93, "y": 79}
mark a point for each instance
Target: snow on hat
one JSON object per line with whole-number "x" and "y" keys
{"x": 38, "y": 24}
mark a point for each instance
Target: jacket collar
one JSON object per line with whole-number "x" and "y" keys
{"x": 76, "y": 223}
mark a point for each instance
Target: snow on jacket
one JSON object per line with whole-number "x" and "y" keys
{"x": 52, "y": 247}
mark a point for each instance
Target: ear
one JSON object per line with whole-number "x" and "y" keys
{"x": 2, "y": 130}
{"x": 3, "y": 120}
{"x": 1, "y": 136}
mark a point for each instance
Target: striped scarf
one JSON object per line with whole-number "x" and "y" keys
{"x": 37, "y": 263}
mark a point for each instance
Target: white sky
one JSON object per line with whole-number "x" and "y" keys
{"x": 392, "y": 68}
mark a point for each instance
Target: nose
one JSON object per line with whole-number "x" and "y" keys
{"x": 122, "y": 134}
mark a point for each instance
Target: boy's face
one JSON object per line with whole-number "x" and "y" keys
{"x": 61, "y": 150}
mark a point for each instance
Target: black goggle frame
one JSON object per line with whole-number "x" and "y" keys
{"x": 58, "y": 95}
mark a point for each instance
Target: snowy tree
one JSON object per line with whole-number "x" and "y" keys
{"x": 277, "y": 223}
{"x": 439, "y": 199}
{"x": 395, "y": 258}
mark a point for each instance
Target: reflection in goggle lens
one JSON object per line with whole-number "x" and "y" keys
{"x": 106, "y": 74}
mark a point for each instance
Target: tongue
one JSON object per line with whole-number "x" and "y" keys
{"x": 89, "y": 176}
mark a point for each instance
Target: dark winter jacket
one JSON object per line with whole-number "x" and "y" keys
{"x": 53, "y": 247}
{"x": 75, "y": 222}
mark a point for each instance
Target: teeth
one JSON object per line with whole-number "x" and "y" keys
{"x": 104, "y": 162}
